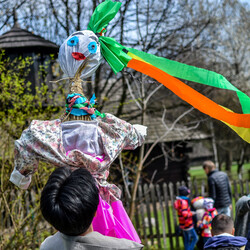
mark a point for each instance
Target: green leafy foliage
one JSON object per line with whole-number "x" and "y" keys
{"x": 19, "y": 104}
{"x": 21, "y": 223}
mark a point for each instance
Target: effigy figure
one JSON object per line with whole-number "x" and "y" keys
{"x": 84, "y": 137}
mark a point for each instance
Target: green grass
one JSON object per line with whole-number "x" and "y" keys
{"x": 198, "y": 172}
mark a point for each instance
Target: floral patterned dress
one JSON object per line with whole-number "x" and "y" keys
{"x": 43, "y": 140}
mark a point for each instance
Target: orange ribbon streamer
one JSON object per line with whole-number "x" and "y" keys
{"x": 191, "y": 96}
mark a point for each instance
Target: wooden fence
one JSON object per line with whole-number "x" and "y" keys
{"x": 155, "y": 218}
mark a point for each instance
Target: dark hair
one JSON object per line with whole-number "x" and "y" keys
{"x": 222, "y": 223}
{"x": 183, "y": 191}
{"x": 69, "y": 200}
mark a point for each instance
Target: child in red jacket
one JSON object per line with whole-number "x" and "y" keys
{"x": 205, "y": 223}
{"x": 185, "y": 218}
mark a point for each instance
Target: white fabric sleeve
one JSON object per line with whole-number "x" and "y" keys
{"x": 20, "y": 180}
{"x": 130, "y": 136}
{"x": 136, "y": 136}
{"x": 141, "y": 129}
{"x": 25, "y": 161}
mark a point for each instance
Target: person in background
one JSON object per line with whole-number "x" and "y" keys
{"x": 205, "y": 223}
{"x": 198, "y": 205}
{"x": 242, "y": 216}
{"x": 185, "y": 218}
{"x": 219, "y": 188}
{"x": 69, "y": 203}
{"x": 223, "y": 235}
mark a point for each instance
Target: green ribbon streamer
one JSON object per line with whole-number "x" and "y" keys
{"x": 112, "y": 52}
{"x": 117, "y": 59}
{"x": 194, "y": 74}
{"x": 110, "y": 48}
{"x": 102, "y": 15}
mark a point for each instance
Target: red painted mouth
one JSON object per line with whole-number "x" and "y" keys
{"x": 78, "y": 56}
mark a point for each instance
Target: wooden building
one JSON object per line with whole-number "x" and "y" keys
{"x": 20, "y": 42}
{"x": 171, "y": 157}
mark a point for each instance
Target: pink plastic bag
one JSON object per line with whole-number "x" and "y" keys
{"x": 114, "y": 221}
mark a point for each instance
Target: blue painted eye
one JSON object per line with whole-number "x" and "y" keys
{"x": 92, "y": 47}
{"x": 73, "y": 41}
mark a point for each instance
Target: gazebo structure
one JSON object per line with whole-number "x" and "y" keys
{"x": 20, "y": 42}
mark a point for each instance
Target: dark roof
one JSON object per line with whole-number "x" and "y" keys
{"x": 20, "y": 38}
{"x": 156, "y": 131}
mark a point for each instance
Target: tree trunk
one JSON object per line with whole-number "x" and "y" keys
{"x": 229, "y": 159}
{"x": 216, "y": 162}
{"x": 136, "y": 183}
{"x": 140, "y": 164}
{"x": 241, "y": 162}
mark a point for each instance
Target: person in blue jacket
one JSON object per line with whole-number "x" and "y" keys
{"x": 223, "y": 235}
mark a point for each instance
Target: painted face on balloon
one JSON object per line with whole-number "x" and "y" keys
{"x": 75, "y": 49}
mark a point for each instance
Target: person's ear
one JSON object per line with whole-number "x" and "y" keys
{"x": 233, "y": 230}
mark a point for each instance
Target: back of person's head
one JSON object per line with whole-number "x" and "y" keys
{"x": 69, "y": 200}
{"x": 208, "y": 165}
{"x": 222, "y": 223}
{"x": 183, "y": 191}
